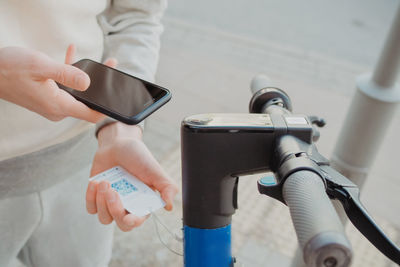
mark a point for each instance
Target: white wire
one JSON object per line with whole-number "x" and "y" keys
{"x": 176, "y": 237}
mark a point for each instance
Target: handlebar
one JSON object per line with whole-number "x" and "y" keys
{"x": 317, "y": 225}
{"x": 318, "y": 228}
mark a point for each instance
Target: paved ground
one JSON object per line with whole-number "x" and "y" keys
{"x": 349, "y": 30}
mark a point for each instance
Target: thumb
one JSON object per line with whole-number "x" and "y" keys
{"x": 67, "y": 75}
{"x": 168, "y": 195}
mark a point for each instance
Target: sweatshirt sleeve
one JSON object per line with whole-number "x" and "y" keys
{"x": 132, "y": 31}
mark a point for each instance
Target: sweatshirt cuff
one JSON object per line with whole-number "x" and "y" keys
{"x": 108, "y": 121}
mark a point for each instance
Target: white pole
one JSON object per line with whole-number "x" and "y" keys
{"x": 371, "y": 111}
{"x": 388, "y": 66}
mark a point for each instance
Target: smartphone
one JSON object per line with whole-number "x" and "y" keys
{"x": 117, "y": 94}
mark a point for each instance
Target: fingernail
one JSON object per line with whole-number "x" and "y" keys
{"x": 168, "y": 207}
{"x": 111, "y": 197}
{"x": 103, "y": 187}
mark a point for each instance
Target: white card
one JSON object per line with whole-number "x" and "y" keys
{"x": 136, "y": 197}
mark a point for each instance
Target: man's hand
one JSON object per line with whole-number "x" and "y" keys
{"x": 121, "y": 144}
{"x": 28, "y": 78}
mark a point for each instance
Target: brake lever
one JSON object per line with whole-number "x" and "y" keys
{"x": 341, "y": 188}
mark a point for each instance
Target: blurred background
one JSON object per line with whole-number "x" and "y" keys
{"x": 313, "y": 50}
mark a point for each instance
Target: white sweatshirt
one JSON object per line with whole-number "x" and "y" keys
{"x": 128, "y": 30}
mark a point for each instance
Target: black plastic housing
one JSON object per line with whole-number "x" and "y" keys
{"x": 214, "y": 156}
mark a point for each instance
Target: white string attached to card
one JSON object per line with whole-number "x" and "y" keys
{"x": 175, "y": 236}
{"x": 137, "y": 198}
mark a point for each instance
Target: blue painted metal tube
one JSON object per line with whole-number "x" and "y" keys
{"x": 207, "y": 247}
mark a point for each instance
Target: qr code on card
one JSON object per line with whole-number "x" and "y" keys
{"x": 123, "y": 187}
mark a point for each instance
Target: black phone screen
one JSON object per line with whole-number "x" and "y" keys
{"x": 116, "y": 91}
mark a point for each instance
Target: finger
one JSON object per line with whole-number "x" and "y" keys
{"x": 111, "y": 62}
{"x": 102, "y": 210}
{"x": 133, "y": 220}
{"x": 168, "y": 194}
{"x": 70, "y": 54}
{"x": 91, "y": 197}
{"x": 65, "y": 74}
{"x": 117, "y": 211}
{"x": 74, "y": 108}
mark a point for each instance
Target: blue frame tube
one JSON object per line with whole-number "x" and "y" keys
{"x": 207, "y": 247}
